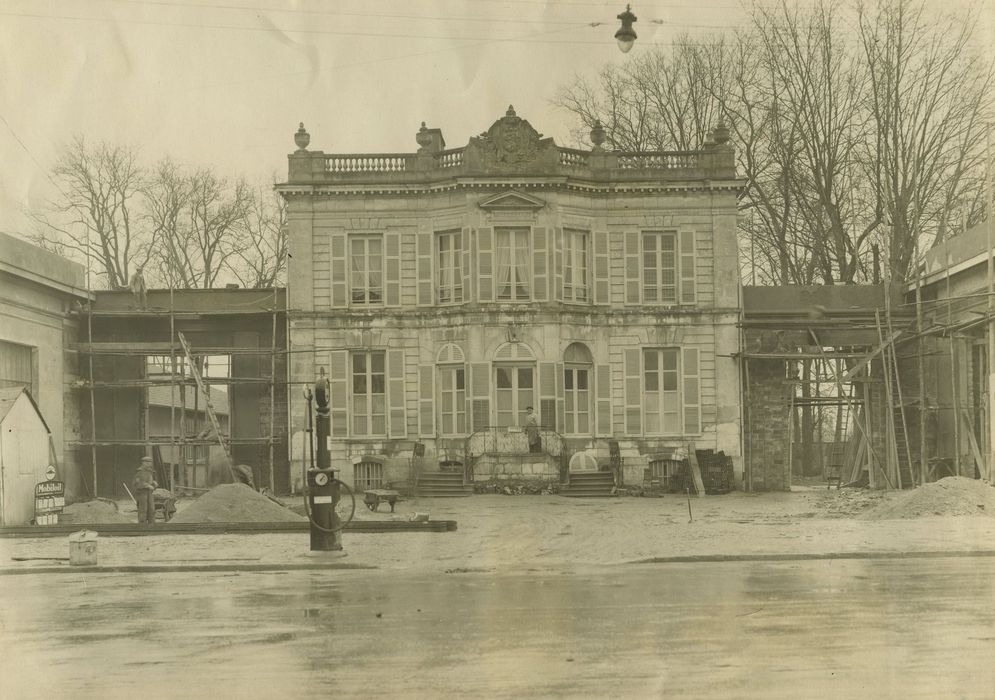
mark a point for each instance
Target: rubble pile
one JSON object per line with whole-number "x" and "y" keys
{"x": 235, "y": 503}
{"x": 848, "y": 502}
{"x": 517, "y": 488}
{"x": 954, "y": 495}
{"x": 95, "y": 512}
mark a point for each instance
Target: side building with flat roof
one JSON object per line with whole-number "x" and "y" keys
{"x": 37, "y": 292}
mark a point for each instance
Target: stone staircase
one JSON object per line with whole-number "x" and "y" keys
{"x": 589, "y": 485}
{"x": 443, "y": 485}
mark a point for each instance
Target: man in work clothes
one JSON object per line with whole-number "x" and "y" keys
{"x": 143, "y": 485}
{"x": 532, "y": 430}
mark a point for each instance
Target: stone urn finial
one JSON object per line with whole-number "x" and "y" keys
{"x": 721, "y": 132}
{"x": 598, "y": 135}
{"x": 510, "y": 112}
{"x": 423, "y": 137}
{"x": 302, "y": 138}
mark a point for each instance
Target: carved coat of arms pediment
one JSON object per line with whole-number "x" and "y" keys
{"x": 511, "y": 144}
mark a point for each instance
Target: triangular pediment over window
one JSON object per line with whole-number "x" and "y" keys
{"x": 512, "y": 201}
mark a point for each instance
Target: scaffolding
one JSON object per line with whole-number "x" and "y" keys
{"x": 183, "y": 434}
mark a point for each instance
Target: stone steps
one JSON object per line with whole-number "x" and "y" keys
{"x": 443, "y": 485}
{"x": 589, "y": 485}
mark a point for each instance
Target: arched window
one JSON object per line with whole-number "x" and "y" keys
{"x": 577, "y": 376}
{"x": 451, "y": 381}
{"x": 514, "y": 381}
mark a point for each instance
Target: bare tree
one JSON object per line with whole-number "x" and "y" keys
{"x": 930, "y": 100}
{"x": 261, "y": 258}
{"x": 96, "y": 219}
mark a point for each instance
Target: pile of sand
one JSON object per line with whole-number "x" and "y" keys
{"x": 93, "y": 512}
{"x": 235, "y": 503}
{"x": 954, "y": 495}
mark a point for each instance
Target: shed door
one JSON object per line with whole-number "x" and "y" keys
{"x": 24, "y": 452}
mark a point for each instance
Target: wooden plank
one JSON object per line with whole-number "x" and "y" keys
{"x": 699, "y": 483}
{"x": 979, "y": 460}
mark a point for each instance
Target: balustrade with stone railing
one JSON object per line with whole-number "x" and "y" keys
{"x": 372, "y": 163}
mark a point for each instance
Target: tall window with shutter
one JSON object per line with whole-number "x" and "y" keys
{"x": 578, "y": 372}
{"x": 668, "y": 267}
{"x": 369, "y": 393}
{"x": 512, "y": 264}
{"x": 366, "y": 270}
{"x": 449, "y": 263}
{"x": 662, "y": 391}
{"x": 576, "y": 275}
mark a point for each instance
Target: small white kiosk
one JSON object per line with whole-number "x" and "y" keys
{"x": 24, "y": 455}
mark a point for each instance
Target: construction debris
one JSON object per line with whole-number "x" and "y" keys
{"x": 954, "y": 495}
{"x": 235, "y": 503}
{"x": 93, "y": 512}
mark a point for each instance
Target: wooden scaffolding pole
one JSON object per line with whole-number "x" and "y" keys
{"x": 272, "y": 398}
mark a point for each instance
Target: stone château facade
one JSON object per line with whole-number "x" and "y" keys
{"x": 444, "y": 291}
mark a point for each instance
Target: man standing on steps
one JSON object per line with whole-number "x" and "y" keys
{"x": 143, "y": 486}
{"x": 532, "y": 430}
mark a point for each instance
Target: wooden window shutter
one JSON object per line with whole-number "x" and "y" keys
{"x": 558, "y": 264}
{"x": 632, "y": 267}
{"x": 395, "y": 393}
{"x": 485, "y": 265}
{"x": 603, "y": 400}
{"x": 338, "y": 384}
{"x": 426, "y": 406}
{"x": 601, "y": 267}
{"x": 338, "y": 272}
{"x": 633, "y": 392}
{"x": 687, "y": 267}
{"x": 392, "y": 268}
{"x": 547, "y": 395}
{"x": 540, "y": 264}
{"x": 466, "y": 262}
{"x": 691, "y": 391}
{"x": 560, "y": 420}
{"x": 426, "y": 285}
{"x": 480, "y": 395}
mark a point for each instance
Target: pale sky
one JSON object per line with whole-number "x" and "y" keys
{"x": 225, "y": 82}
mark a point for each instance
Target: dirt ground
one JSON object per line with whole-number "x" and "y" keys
{"x": 553, "y": 532}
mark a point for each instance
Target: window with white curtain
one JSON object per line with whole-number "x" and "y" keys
{"x": 575, "y": 267}
{"x": 366, "y": 270}
{"x": 513, "y": 264}
{"x": 450, "y": 266}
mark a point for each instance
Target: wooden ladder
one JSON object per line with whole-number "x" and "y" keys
{"x": 207, "y": 404}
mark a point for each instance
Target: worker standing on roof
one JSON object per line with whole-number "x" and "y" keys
{"x": 144, "y": 485}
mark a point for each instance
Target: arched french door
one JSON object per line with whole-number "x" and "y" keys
{"x": 578, "y": 381}
{"x": 514, "y": 384}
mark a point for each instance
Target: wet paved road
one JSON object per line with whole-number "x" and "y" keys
{"x": 913, "y": 628}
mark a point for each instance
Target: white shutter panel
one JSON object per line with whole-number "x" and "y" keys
{"x": 480, "y": 395}
{"x": 338, "y": 273}
{"x": 338, "y": 384}
{"x": 540, "y": 267}
{"x": 603, "y": 399}
{"x": 426, "y": 287}
{"x": 690, "y": 394}
{"x": 426, "y": 404}
{"x": 485, "y": 264}
{"x": 466, "y": 265}
{"x": 547, "y": 395}
{"x": 633, "y": 392}
{"x": 395, "y": 393}
{"x": 558, "y": 264}
{"x": 687, "y": 267}
{"x": 560, "y": 418}
{"x": 632, "y": 267}
{"x": 392, "y": 269}
{"x": 601, "y": 267}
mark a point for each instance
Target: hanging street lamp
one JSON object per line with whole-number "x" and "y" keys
{"x": 626, "y": 36}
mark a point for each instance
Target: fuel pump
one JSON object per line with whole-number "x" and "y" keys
{"x": 329, "y": 503}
